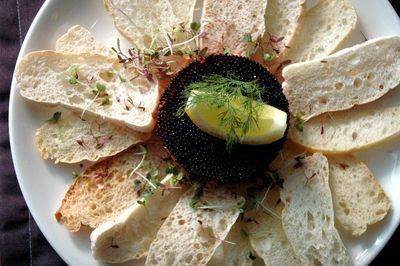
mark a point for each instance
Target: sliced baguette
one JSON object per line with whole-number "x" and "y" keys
{"x": 308, "y": 217}
{"x": 73, "y": 140}
{"x": 79, "y": 40}
{"x": 234, "y": 251}
{"x": 267, "y": 237}
{"x": 358, "y": 199}
{"x": 225, "y": 29}
{"x": 352, "y": 76}
{"x": 190, "y": 236}
{"x": 282, "y": 20}
{"x": 347, "y": 131}
{"x": 322, "y": 29}
{"x": 138, "y": 20}
{"x": 129, "y": 236}
{"x": 44, "y": 77}
{"x": 103, "y": 191}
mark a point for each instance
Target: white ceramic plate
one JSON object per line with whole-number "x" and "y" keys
{"x": 44, "y": 184}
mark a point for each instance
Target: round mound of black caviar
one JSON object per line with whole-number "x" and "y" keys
{"x": 203, "y": 156}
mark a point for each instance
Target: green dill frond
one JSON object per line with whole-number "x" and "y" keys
{"x": 234, "y": 96}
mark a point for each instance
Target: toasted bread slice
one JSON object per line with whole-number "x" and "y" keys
{"x": 79, "y": 40}
{"x": 353, "y": 76}
{"x": 225, "y": 29}
{"x": 308, "y": 217}
{"x": 107, "y": 188}
{"x": 235, "y": 250}
{"x": 267, "y": 237}
{"x": 138, "y": 20}
{"x": 129, "y": 236}
{"x": 190, "y": 236}
{"x": 89, "y": 83}
{"x": 72, "y": 140}
{"x": 347, "y": 131}
{"x": 322, "y": 29}
{"x": 358, "y": 199}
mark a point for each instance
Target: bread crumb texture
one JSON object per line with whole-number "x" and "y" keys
{"x": 358, "y": 199}
{"x": 103, "y": 191}
{"x": 89, "y": 83}
{"x": 225, "y": 29}
{"x": 321, "y": 30}
{"x": 190, "y": 236}
{"x": 352, "y": 76}
{"x": 73, "y": 140}
{"x": 346, "y": 131}
{"x": 130, "y": 235}
{"x": 308, "y": 217}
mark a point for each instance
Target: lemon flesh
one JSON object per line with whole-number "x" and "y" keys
{"x": 271, "y": 121}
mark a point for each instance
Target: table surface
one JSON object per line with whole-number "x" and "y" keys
{"x": 21, "y": 242}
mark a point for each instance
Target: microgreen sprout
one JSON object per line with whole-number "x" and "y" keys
{"x": 143, "y": 152}
{"x": 299, "y": 122}
{"x": 269, "y": 56}
{"x": 75, "y": 174}
{"x": 55, "y": 118}
{"x": 244, "y": 233}
{"x": 250, "y": 255}
{"x": 154, "y": 60}
{"x": 197, "y": 195}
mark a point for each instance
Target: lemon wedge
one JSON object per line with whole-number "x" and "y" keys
{"x": 271, "y": 121}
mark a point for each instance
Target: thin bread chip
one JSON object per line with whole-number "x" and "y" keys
{"x": 347, "y": 131}
{"x": 358, "y": 199}
{"x": 190, "y": 236}
{"x": 129, "y": 236}
{"x": 308, "y": 217}
{"x": 235, "y": 250}
{"x": 138, "y": 20}
{"x": 353, "y": 76}
{"x": 79, "y": 40}
{"x": 103, "y": 191}
{"x": 267, "y": 237}
{"x": 89, "y": 83}
{"x": 72, "y": 140}
{"x": 321, "y": 31}
{"x": 225, "y": 29}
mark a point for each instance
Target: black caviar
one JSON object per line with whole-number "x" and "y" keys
{"x": 203, "y": 156}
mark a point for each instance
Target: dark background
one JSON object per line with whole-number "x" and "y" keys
{"x": 21, "y": 242}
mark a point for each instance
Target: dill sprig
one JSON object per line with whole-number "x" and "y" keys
{"x": 239, "y": 101}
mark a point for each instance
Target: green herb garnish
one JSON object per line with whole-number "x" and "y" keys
{"x": 195, "y": 26}
{"x": 105, "y": 101}
{"x": 72, "y": 74}
{"x": 299, "y": 122}
{"x": 183, "y": 39}
{"x": 75, "y": 175}
{"x": 244, "y": 233}
{"x": 247, "y": 38}
{"x": 101, "y": 88}
{"x": 55, "y": 118}
{"x": 217, "y": 91}
{"x": 123, "y": 80}
{"x": 194, "y": 202}
{"x": 137, "y": 184}
{"x": 250, "y": 255}
{"x": 269, "y": 56}
{"x": 275, "y": 178}
{"x": 177, "y": 174}
{"x": 227, "y": 51}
